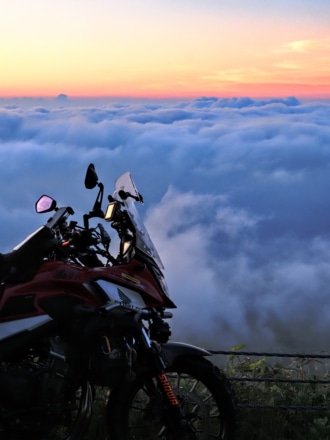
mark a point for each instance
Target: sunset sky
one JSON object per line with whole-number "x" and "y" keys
{"x": 172, "y": 48}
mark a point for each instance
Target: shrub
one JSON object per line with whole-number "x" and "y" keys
{"x": 267, "y": 383}
{"x": 270, "y": 383}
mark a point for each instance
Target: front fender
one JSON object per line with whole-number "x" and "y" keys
{"x": 171, "y": 351}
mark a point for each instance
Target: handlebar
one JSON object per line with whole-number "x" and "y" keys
{"x": 59, "y": 217}
{"x": 79, "y": 241}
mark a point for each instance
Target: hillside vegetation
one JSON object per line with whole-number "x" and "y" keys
{"x": 290, "y": 398}
{"x": 296, "y": 384}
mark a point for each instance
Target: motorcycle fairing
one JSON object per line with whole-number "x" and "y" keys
{"x": 137, "y": 277}
{"x": 59, "y": 286}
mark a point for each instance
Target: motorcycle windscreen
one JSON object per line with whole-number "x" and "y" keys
{"x": 143, "y": 240}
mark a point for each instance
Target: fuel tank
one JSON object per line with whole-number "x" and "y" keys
{"x": 59, "y": 286}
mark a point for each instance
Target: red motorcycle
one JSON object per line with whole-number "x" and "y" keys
{"x": 74, "y": 318}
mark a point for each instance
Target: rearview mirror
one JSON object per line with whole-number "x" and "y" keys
{"x": 91, "y": 179}
{"x": 45, "y": 204}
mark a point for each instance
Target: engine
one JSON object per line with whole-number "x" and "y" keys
{"x": 35, "y": 394}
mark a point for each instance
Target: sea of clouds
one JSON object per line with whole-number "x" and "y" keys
{"x": 237, "y": 201}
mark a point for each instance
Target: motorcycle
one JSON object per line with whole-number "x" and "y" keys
{"x": 75, "y": 319}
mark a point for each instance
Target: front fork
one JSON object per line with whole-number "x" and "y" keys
{"x": 172, "y": 403}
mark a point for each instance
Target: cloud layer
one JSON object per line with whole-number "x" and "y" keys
{"x": 237, "y": 202}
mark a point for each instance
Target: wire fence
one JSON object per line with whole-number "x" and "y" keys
{"x": 277, "y": 380}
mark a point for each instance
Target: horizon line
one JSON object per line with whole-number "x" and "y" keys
{"x": 67, "y": 97}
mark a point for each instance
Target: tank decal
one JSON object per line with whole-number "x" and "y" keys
{"x": 10, "y": 328}
{"x": 130, "y": 278}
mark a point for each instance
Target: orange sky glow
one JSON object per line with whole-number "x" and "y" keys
{"x": 175, "y": 49}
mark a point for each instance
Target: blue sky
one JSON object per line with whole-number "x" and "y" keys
{"x": 236, "y": 199}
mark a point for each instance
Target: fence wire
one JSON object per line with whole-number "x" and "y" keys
{"x": 283, "y": 406}
{"x": 267, "y": 354}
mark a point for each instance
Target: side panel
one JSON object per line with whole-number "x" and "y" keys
{"x": 12, "y": 328}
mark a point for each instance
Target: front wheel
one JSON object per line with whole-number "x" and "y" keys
{"x": 139, "y": 412}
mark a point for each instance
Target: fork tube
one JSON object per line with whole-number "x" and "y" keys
{"x": 163, "y": 383}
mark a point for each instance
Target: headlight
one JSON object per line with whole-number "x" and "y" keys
{"x": 111, "y": 211}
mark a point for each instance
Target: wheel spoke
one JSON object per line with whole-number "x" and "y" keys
{"x": 196, "y": 401}
{"x": 204, "y": 398}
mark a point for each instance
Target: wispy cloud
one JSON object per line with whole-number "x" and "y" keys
{"x": 289, "y": 65}
{"x": 305, "y": 46}
{"x": 240, "y": 75}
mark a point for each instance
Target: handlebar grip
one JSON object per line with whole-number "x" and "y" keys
{"x": 105, "y": 237}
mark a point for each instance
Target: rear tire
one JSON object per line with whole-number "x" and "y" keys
{"x": 138, "y": 411}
